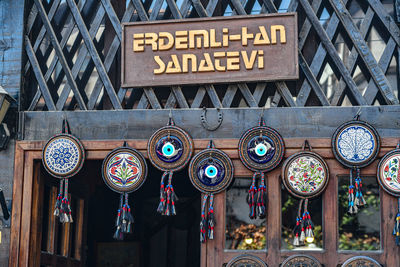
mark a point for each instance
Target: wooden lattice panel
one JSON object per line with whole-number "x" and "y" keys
{"x": 73, "y": 55}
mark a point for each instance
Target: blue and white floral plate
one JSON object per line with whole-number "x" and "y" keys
{"x": 355, "y": 144}
{"x": 63, "y": 155}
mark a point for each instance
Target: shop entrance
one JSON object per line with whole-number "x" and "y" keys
{"x": 157, "y": 241}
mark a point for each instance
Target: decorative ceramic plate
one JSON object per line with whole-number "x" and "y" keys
{"x": 124, "y": 170}
{"x": 63, "y": 156}
{"x": 388, "y": 173}
{"x": 211, "y": 171}
{"x": 305, "y": 174}
{"x": 355, "y": 144}
{"x": 261, "y": 148}
{"x": 246, "y": 261}
{"x": 361, "y": 261}
{"x": 301, "y": 260}
{"x": 170, "y": 148}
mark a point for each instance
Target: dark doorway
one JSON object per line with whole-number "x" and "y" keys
{"x": 156, "y": 241}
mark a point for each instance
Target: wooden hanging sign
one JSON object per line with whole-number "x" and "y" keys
{"x": 210, "y": 50}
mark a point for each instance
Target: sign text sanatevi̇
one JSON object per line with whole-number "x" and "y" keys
{"x": 210, "y": 50}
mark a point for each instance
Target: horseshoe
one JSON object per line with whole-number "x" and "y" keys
{"x": 206, "y": 125}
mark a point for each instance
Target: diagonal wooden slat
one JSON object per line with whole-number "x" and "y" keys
{"x": 332, "y": 52}
{"x": 201, "y": 92}
{"x": 247, "y": 95}
{"x": 113, "y": 18}
{"x": 352, "y": 60}
{"x": 94, "y": 55}
{"x": 151, "y": 97}
{"x": 38, "y": 74}
{"x": 177, "y": 91}
{"x": 212, "y": 93}
{"x": 384, "y": 63}
{"x": 364, "y": 52}
{"x": 229, "y": 95}
{"x": 313, "y": 82}
{"x": 82, "y": 54}
{"x": 60, "y": 55}
{"x": 112, "y": 53}
{"x": 391, "y": 27}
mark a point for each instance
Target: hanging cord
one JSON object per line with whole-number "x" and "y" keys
{"x": 359, "y": 199}
{"x": 298, "y": 227}
{"x": 162, "y": 206}
{"x": 65, "y": 127}
{"x": 203, "y": 221}
{"x": 57, "y": 207}
{"x": 352, "y": 208}
{"x": 308, "y": 224}
{"x": 65, "y": 210}
{"x": 119, "y": 235}
{"x": 211, "y": 218}
{"x": 261, "y": 198}
{"x": 396, "y": 230}
{"x": 171, "y": 197}
{"x": 251, "y": 198}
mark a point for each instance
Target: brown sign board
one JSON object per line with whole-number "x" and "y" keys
{"x": 210, "y": 50}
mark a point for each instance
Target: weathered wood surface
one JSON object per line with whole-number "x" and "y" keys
{"x": 140, "y": 124}
{"x": 317, "y": 43}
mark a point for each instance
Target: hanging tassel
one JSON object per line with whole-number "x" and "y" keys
{"x": 261, "y": 198}
{"x": 396, "y": 230}
{"x": 162, "y": 205}
{"x": 57, "y": 207}
{"x": 251, "y": 198}
{"x": 118, "y": 235}
{"x": 308, "y": 224}
{"x": 359, "y": 199}
{"x": 352, "y": 208}
{"x": 298, "y": 227}
{"x": 171, "y": 197}
{"x": 211, "y": 218}
{"x": 129, "y": 216}
{"x": 65, "y": 209}
{"x": 203, "y": 221}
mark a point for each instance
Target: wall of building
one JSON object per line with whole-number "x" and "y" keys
{"x": 11, "y": 33}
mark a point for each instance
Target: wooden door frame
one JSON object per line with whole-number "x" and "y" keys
{"x": 212, "y": 253}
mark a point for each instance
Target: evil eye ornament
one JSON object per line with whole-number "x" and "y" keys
{"x": 261, "y": 148}
{"x": 170, "y": 148}
{"x": 211, "y": 171}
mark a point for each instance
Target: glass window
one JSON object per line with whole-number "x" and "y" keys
{"x": 242, "y": 233}
{"x": 362, "y": 230}
{"x": 290, "y": 206}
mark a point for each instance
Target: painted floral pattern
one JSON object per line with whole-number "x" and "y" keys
{"x": 356, "y": 144}
{"x": 306, "y": 175}
{"x": 390, "y": 173}
{"x": 123, "y": 169}
{"x": 62, "y": 156}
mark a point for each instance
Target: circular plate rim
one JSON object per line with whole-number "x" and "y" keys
{"x": 80, "y": 164}
{"x": 290, "y": 159}
{"x": 203, "y": 152}
{"x": 378, "y": 172}
{"x": 133, "y": 151}
{"x": 244, "y": 257}
{"x": 191, "y": 149}
{"x": 241, "y": 145}
{"x": 345, "y": 162}
{"x": 300, "y": 255}
{"x": 360, "y": 257}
